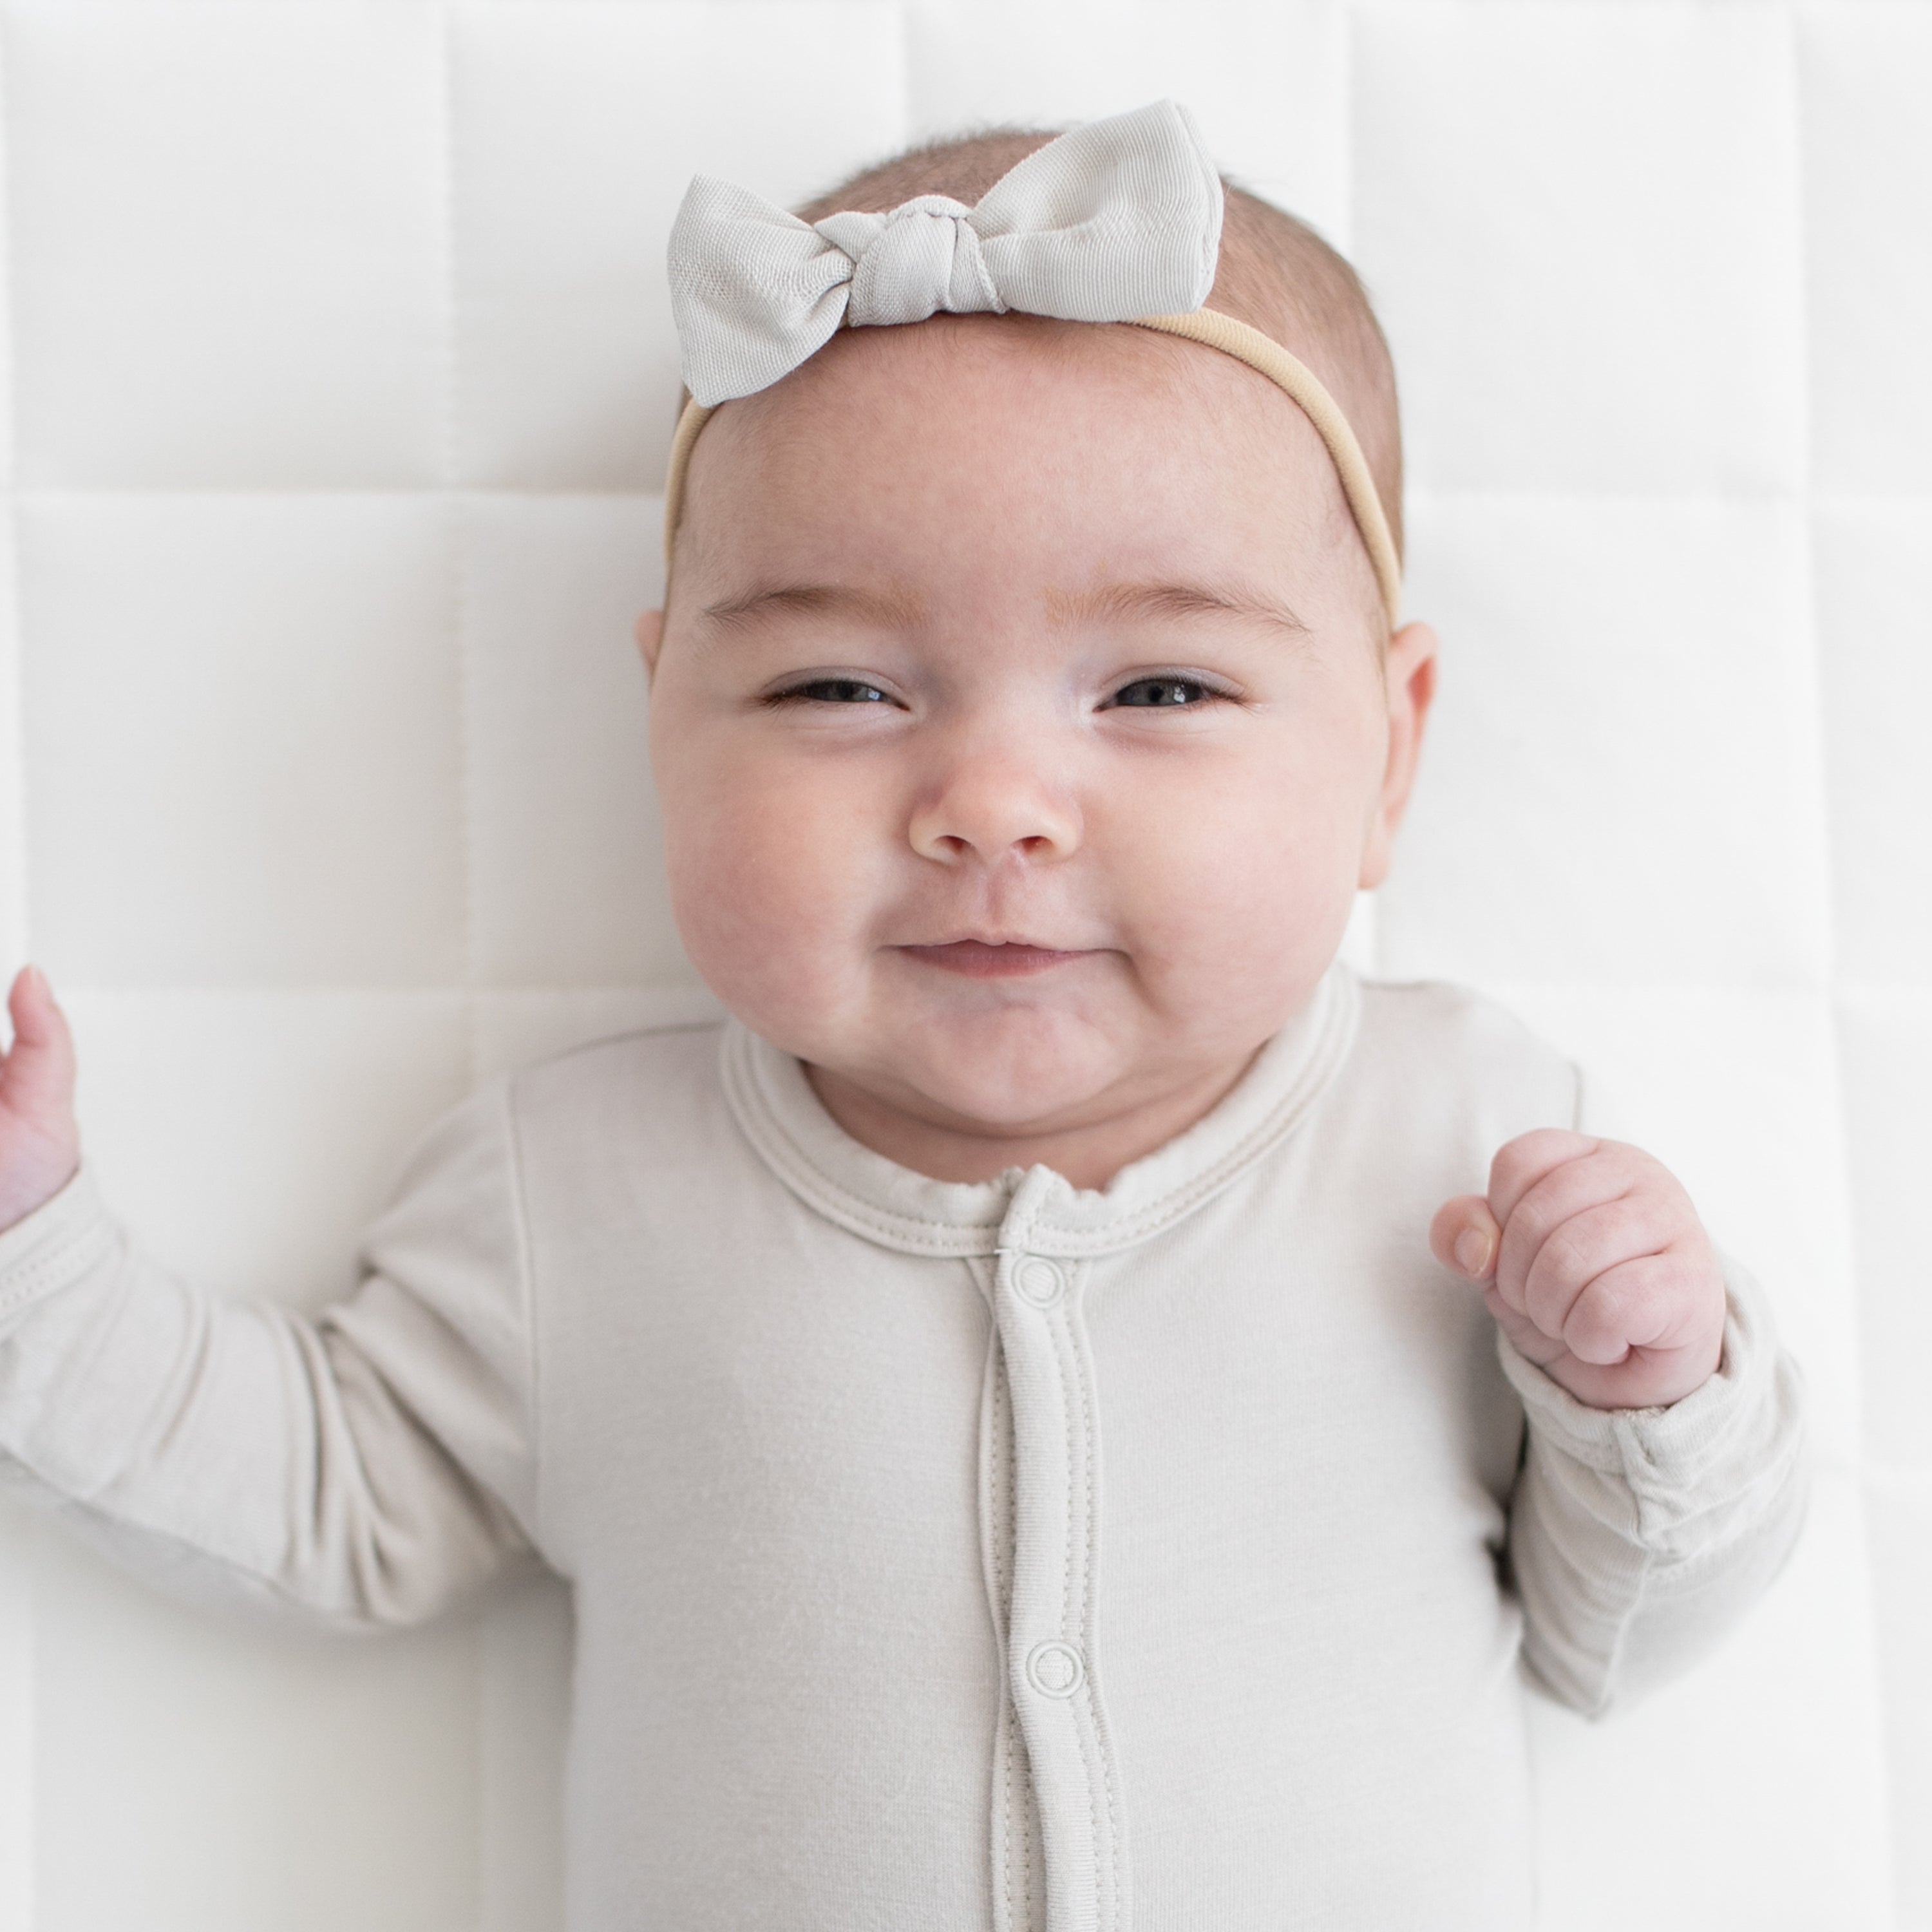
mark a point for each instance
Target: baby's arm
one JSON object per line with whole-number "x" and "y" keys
{"x": 1664, "y": 1480}
{"x": 365, "y": 1468}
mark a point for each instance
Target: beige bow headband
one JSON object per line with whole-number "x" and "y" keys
{"x": 1117, "y": 221}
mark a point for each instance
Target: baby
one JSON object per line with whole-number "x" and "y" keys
{"x": 1008, "y": 1401}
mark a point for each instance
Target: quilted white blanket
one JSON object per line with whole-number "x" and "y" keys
{"x": 341, "y": 376}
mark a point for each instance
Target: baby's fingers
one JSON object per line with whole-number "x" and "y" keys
{"x": 1528, "y": 1163}
{"x": 1632, "y": 1304}
{"x": 1647, "y": 1319}
{"x": 1586, "y": 1246}
{"x": 1464, "y": 1236}
{"x": 37, "y": 1071}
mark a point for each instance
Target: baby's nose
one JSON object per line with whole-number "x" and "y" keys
{"x": 989, "y": 808}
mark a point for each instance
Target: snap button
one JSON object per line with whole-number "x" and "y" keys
{"x": 1039, "y": 1281}
{"x": 1054, "y": 1669}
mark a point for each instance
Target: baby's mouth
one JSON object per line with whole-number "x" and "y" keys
{"x": 990, "y": 959}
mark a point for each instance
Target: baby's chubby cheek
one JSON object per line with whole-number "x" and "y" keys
{"x": 1237, "y": 895}
{"x": 771, "y": 881}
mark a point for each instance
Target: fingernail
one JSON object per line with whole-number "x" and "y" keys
{"x": 1472, "y": 1251}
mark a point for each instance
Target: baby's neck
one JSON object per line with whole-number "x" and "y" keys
{"x": 1089, "y": 1153}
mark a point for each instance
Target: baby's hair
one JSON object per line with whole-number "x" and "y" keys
{"x": 1276, "y": 274}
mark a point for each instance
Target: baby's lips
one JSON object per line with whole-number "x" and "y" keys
{"x": 994, "y": 959}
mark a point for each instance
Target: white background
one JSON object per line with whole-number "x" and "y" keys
{"x": 340, "y": 373}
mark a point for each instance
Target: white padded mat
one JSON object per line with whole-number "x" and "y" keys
{"x": 341, "y": 375}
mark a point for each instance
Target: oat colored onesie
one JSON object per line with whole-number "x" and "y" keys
{"x": 953, "y": 1556}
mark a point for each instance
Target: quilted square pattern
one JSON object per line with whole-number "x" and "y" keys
{"x": 340, "y": 373}
{"x": 577, "y": 125}
{"x": 1873, "y": 576}
{"x": 1269, "y": 75}
{"x": 567, "y": 885}
{"x": 1886, "y": 1041}
{"x": 1868, "y": 280}
{"x": 283, "y": 157}
{"x": 1581, "y": 222}
{"x": 1642, "y": 669}
{"x": 1901, "y": 1547}
{"x": 242, "y": 737}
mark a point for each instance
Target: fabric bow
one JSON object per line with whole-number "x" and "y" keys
{"x": 1118, "y": 219}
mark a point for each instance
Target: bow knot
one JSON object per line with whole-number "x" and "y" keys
{"x": 922, "y": 256}
{"x": 1120, "y": 219}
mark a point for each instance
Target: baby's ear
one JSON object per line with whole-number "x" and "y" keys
{"x": 650, "y": 636}
{"x": 1410, "y": 672}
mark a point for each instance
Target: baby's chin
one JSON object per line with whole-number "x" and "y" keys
{"x": 1011, "y": 1074}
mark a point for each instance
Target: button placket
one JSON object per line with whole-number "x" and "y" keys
{"x": 1050, "y": 1664}
{"x": 1017, "y": 1879}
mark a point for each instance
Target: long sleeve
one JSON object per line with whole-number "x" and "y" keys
{"x": 366, "y": 1468}
{"x": 1638, "y": 1537}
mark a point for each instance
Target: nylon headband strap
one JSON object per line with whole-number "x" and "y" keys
{"x": 1267, "y": 356}
{"x": 1209, "y": 326}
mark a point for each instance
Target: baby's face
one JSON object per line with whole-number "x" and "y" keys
{"x": 1018, "y": 722}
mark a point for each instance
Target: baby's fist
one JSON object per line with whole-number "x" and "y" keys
{"x": 1595, "y": 1265}
{"x": 39, "y": 1144}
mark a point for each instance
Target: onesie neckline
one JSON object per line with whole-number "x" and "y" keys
{"x": 775, "y": 1107}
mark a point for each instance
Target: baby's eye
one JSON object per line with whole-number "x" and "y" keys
{"x": 1168, "y": 693}
{"x": 831, "y": 690}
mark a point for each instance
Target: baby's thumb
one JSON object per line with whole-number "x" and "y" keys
{"x": 1464, "y": 1236}
{"x": 37, "y": 1074}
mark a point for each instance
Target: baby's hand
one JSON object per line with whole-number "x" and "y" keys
{"x": 1595, "y": 1265}
{"x": 40, "y": 1143}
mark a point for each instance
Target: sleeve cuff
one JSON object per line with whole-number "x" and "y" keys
{"x": 55, "y": 1245}
{"x": 1661, "y": 1451}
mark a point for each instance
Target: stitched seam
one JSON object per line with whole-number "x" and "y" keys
{"x": 1089, "y": 1606}
{"x": 1066, "y": 1431}
{"x": 1005, "y": 1836}
{"x": 783, "y": 1154}
{"x": 1071, "y": 1371}
{"x": 1101, "y": 1745}
{"x": 996, "y": 1530}
{"x": 996, "y": 1488}
{"x": 1079, "y": 1465}
{"x": 1018, "y": 1765}
{"x": 1079, "y": 1479}
{"x": 788, "y": 1153}
{"x": 30, "y": 1277}
{"x": 1057, "y": 1324}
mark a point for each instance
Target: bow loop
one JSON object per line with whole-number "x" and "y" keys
{"x": 1118, "y": 219}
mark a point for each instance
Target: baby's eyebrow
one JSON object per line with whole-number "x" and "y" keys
{"x": 1169, "y": 600}
{"x": 895, "y": 609}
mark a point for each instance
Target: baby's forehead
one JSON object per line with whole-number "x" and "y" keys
{"x": 1093, "y": 383}
{"x": 1068, "y": 454}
